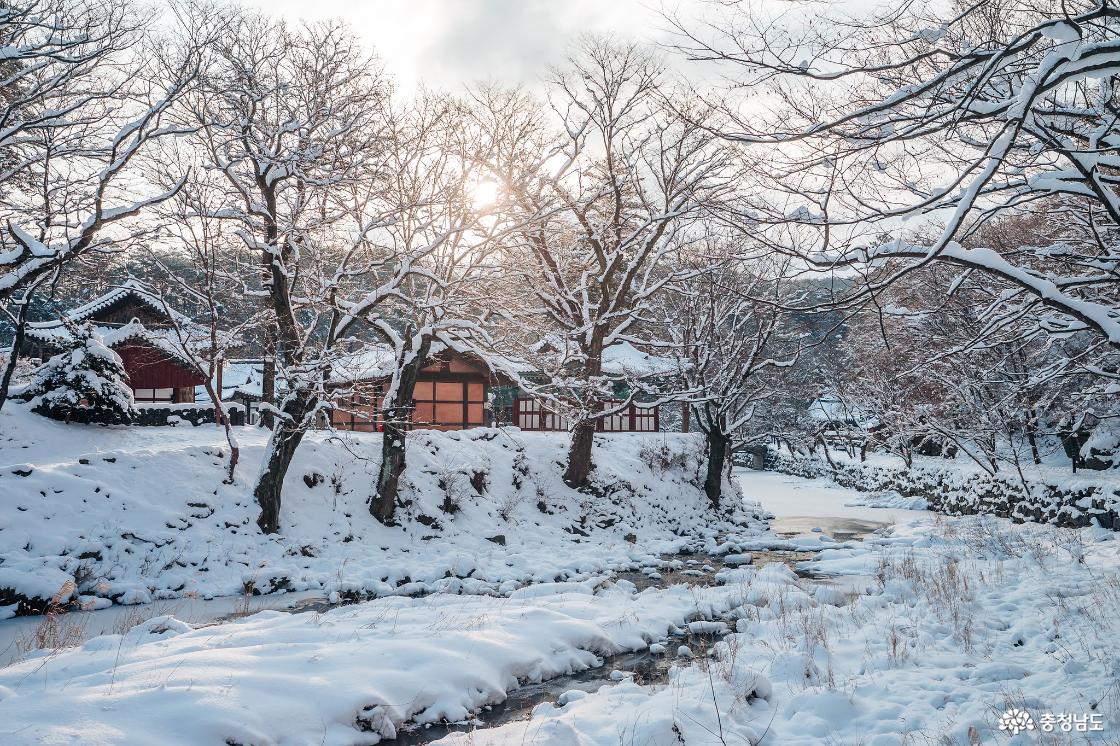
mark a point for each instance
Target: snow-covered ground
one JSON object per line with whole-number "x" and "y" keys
{"x": 352, "y": 675}
{"x": 132, "y": 515}
{"x": 923, "y": 633}
{"x": 785, "y": 495}
{"x": 961, "y": 620}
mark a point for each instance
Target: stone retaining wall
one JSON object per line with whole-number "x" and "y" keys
{"x": 949, "y": 490}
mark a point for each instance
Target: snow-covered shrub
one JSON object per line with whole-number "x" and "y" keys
{"x": 84, "y": 383}
{"x": 662, "y": 458}
{"x": 1101, "y": 449}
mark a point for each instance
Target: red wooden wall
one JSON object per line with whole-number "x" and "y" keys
{"x": 151, "y": 368}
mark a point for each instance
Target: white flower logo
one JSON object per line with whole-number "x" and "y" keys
{"x": 1016, "y": 721}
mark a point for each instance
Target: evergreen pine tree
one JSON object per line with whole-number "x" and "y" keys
{"x": 85, "y": 383}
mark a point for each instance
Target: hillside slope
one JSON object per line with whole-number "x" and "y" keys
{"x": 99, "y": 514}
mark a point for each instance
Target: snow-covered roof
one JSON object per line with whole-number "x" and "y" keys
{"x": 115, "y": 335}
{"x": 238, "y": 377}
{"x": 371, "y": 362}
{"x": 831, "y": 408}
{"x": 623, "y": 358}
{"x": 619, "y": 359}
{"x": 133, "y": 332}
{"x": 131, "y": 288}
{"x": 378, "y": 361}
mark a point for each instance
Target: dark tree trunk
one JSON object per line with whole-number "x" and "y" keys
{"x": 268, "y": 387}
{"x": 717, "y": 459}
{"x": 579, "y": 454}
{"x": 824, "y": 447}
{"x": 991, "y": 454}
{"x": 583, "y": 434}
{"x": 1032, "y": 435}
{"x": 383, "y": 503}
{"x": 17, "y": 343}
{"x": 286, "y": 437}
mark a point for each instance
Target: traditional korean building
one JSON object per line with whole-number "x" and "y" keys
{"x": 137, "y": 325}
{"x": 459, "y": 390}
{"x": 452, "y": 392}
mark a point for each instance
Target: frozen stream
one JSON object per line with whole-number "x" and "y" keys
{"x": 801, "y": 507}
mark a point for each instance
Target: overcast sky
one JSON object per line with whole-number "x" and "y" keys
{"x": 450, "y": 42}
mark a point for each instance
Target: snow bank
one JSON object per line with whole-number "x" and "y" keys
{"x": 951, "y": 487}
{"x": 354, "y": 675}
{"x": 136, "y": 514}
{"x": 691, "y": 709}
{"x": 890, "y": 499}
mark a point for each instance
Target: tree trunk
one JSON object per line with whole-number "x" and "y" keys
{"x": 383, "y": 503}
{"x": 579, "y": 454}
{"x": 583, "y": 434}
{"x": 993, "y": 457}
{"x": 286, "y": 437}
{"x": 717, "y": 442}
{"x": 212, "y": 382}
{"x": 234, "y": 450}
{"x": 1032, "y": 435}
{"x": 268, "y": 386}
{"x": 17, "y": 343}
{"x": 218, "y": 387}
{"x": 824, "y": 447}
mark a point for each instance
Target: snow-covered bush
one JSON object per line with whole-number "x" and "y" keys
{"x": 84, "y": 383}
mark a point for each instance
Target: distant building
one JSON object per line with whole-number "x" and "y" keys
{"x": 834, "y": 413}
{"x": 455, "y": 390}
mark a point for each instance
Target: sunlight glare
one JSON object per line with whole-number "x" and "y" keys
{"x": 484, "y": 194}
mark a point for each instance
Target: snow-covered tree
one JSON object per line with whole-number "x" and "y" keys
{"x": 290, "y": 121}
{"x": 725, "y": 325}
{"x": 204, "y": 264}
{"x": 85, "y": 91}
{"x": 345, "y": 199}
{"x": 593, "y": 213}
{"x": 951, "y": 114}
{"x": 86, "y": 383}
{"x": 443, "y": 228}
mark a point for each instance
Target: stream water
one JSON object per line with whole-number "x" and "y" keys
{"x": 643, "y": 666}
